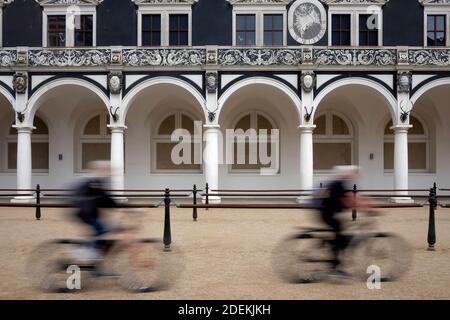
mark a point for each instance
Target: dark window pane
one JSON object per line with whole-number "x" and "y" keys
{"x": 240, "y": 38}
{"x": 345, "y": 24}
{"x": 440, "y": 23}
{"x": 278, "y": 38}
{"x": 240, "y": 22}
{"x": 436, "y": 30}
{"x": 84, "y": 31}
{"x": 178, "y": 29}
{"x": 251, "y": 22}
{"x": 341, "y": 32}
{"x": 151, "y": 30}
{"x": 345, "y": 40}
{"x": 278, "y": 22}
{"x": 56, "y": 31}
{"x": 183, "y": 39}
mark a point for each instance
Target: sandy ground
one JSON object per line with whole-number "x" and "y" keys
{"x": 227, "y": 255}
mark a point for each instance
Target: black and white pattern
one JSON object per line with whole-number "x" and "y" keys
{"x": 260, "y": 57}
{"x": 429, "y": 57}
{"x": 355, "y": 57}
{"x": 70, "y": 58}
{"x": 8, "y": 58}
{"x": 164, "y": 57}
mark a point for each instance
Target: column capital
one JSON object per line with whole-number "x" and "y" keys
{"x": 211, "y": 126}
{"x": 401, "y": 128}
{"x": 24, "y": 129}
{"x": 307, "y": 128}
{"x": 117, "y": 128}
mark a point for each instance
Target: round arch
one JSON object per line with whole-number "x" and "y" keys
{"x": 135, "y": 91}
{"x": 8, "y": 96}
{"x": 35, "y": 101}
{"x": 262, "y": 81}
{"x": 427, "y": 87}
{"x": 389, "y": 97}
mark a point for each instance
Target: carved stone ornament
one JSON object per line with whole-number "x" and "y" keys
{"x": 211, "y": 56}
{"x": 402, "y": 56}
{"x": 69, "y": 2}
{"x": 308, "y": 81}
{"x": 20, "y": 82}
{"x": 115, "y": 82}
{"x": 307, "y": 21}
{"x": 211, "y": 82}
{"x": 404, "y": 81}
{"x": 188, "y": 2}
{"x": 3, "y": 2}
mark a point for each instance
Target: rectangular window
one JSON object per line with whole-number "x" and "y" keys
{"x": 178, "y": 30}
{"x": 245, "y": 30}
{"x": 417, "y": 159}
{"x": 341, "y": 29}
{"x": 164, "y": 158}
{"x": 94, "y": 152}
{"x": 436, "y": 30}
{"x": 56, "y": 31}
{"x": 328, "y": 155}
{"x": 84, "y": 31}
{"x": 151, "y": 30}
{"x": 39, "y": 155}
{"x": 368, "y": 30}
{"x": 273, "y": 29}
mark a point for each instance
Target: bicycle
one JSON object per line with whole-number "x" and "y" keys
{"x": 306, "y": 257}
{"x": 138, "y": 264}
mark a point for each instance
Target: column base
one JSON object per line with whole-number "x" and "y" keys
{"x": 304, "y": 199}
{"x": 212, "y": 199}
{"x": 23, "y": 199}
{"x": 120, "y": 199}
{"x": 401, "y": 200}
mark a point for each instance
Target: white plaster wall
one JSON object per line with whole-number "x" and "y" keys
{"x": 63, "y": 110}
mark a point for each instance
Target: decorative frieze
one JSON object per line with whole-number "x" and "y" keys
{"x": 70, "y": 58}
{"x": 355, "y": 57}
{"x": 164, "y": 57}
{"x": 23, "y": 57}
{"x": 260, "y": 57}
{"x": 8, "y": 58}
{"x": 429, "y": 57}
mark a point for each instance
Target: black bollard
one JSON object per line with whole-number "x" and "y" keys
{"x": 194, "y": 202}
{"x": 431, "y": 221}
{"x": 354, "y": 212}
{"x": 167, "y": 231}
{"x": 435, "y": 194}
{"x": 207, "y": 194}
{"x": 38, "y": 202}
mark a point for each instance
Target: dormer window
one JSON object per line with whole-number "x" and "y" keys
{"x": 436, "y": 22}
{"x": 355, "y": 22}
{"x": 164, "y": 22}
{"x": 259, "y": 23}
{"x": 69, "y": 23}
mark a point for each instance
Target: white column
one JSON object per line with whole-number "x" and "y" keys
{"x": 306, "y": 159}
{"x": 401, "y": 163}
{"x": 24, "y": 169}
{"x": 211, "y": 154}
{"x": 117, "y": 159}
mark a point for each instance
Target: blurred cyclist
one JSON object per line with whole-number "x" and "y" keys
{"x": 338, "y": 198}
{"x": 90, "y": 197}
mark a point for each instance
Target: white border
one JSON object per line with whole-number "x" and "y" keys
{"x": 354, "y": 12}
{"x": 70, "y": 33}
{"x": 164, "y": 11}
{"x": 259, "y": 13}
{"x": 436, "y": 11}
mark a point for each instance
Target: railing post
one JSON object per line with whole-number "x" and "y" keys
{"x": 207, "y": 194}
{"x": 194, "y": 210}
{"x": 167, "y": 231}
{"x": 435, "y": 194}
{"x": 38, "y": 202}
{"x": 431, "y": 221}
{"x": 354, "y": 212}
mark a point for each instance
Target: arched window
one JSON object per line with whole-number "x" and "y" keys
{"x": 333, "y": 142}
{"x": 162, "y": 144}
{"x": 95, "y": 141}
{"x": 39, "y": 147}
{"x": 246, "y": 152}
{"x": 418, "y": 147}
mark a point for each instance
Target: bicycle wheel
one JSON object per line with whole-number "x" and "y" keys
{"x": 48, "y": 264}
{"x": 390, "y": 253}
{"x": 301, "y": 259}
{"x": 143, "y": 267}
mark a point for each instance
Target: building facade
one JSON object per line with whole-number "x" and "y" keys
{"x": 362, "y": 82}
